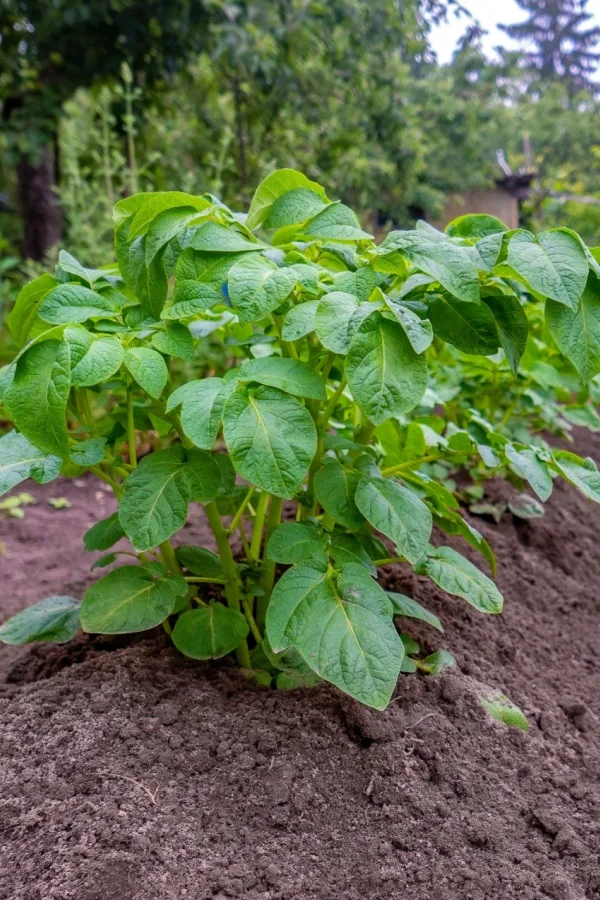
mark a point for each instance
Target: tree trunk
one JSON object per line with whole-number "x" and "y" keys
{"x": 39, "y": 205}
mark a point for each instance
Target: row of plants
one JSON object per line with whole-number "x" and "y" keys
{"x": 352, "y": 380}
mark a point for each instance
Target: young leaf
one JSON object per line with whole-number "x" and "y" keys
{"x": 209, "y": 632}
{"x": 202, "y": 405}
{"x": 299, "y": 321}
{"x": 456, "y": 575}
{"x": 257, "y": 287}
{"x": 386, "y": 376}
{"x": 335, "y": 487}
{"x": 290, "y": 375}
{"x": 438, "y": 661}
{"x": 499, "y": 707}
{"x": 470, "y": 327}
{"x": 582, "y": 473}
{"x": 175, "y": 341}
{"x": 94, "y": 357}
{"x": 20, "y": 460}
{"x": 37, "y": 399}
{"x": 156, "y": 494}
{"x": 71, "y": 303}
{"x": 200, "y": 561}
{"x": 343, "y": 629}
{"x": 512, "y": 326}
{"x": 88, "y": 453}
{"x": 396, "y": 512}
{"x": 148, "y": 368}
{"x": 295, "y": 542}
{"x": 104, "y": 534}
{"x": 334, "y": 323}
{"x": 126, "y": 600}
{"x": 406, "y": 606}
{"x": 271, "y": 437}
{"x": 55, "y": 619}
{"x": 553, "y": 263}
{"x": 577, "y": 333}
{"x": 275, "y": 186}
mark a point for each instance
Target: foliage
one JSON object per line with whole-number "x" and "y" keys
{"x": 328, "y": 403}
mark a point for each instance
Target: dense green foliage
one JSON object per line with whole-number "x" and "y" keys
{"x": 334, "y": 396}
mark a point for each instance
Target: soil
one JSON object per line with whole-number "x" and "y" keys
{"x": 130, "y": 772}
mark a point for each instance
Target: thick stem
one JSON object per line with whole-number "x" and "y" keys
{"x": 267, "y": 576}
{"x": 168, "y": 557}
{"x": 232, "y": 584}
{"x": 131, "y": 430}
{"x": 365, "y": 433}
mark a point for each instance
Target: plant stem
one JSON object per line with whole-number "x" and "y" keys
{"x": 236, "y": 519}
{"x": 402, "y": 467}
{"x": 108, "y": 480}
{"x": 257, "y": 530}
{"x": 388, "y": 560}
{"x": 168, "y": 557}
{"x": 198, "y": 579}
{"x": 326, "y": 414}
{"x": 365, "y": 433}
{"x": 251, "y": 620}
{"x": 131, "y": 430}
{"x": 267, "y": 576}
{"x": 232, "y": 584}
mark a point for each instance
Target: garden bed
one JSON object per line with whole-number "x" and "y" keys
{"x": 130, "y": 772}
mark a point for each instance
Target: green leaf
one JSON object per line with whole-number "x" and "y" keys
{"x": 526, "y": 507}
{"x": 211, "y": 269}
{"x": 448, "y": 263}
{"x": 438, "y": 661}
{"x": 37, "y": 399}
{"x": 175, "y": 341}
{"x": 529, "y": 466}
{"x": 127, "y": 600}
{"x": 475, "y": 226}
{"x": 553, "y": 263}
{"x": 294, "y": 207}
{"x": 191, "y": 298}
{"x": 396, "y": 512}
{"x": 299, "y": 321}
{"x": 271, "y": 437}
{"x": 148, "y": 368}
{"x": 26, "y": 306}
{"x": 94, "y": 357}
{"x": 581, "y": 473}
{"x": 337, "y": 222}
{"x": 343, "y": 629}
{"x": 275, "y": 186}
{"x": 155, "y": 203}
{"x": 359, "y": 283}
{"x": 164, "y": 227}
{"x": 418, "y": 331}
{"x": 456, "y": 575}
{"x": 214, "y": 238}
{"x": 72, "y": 303}
{"x": 55, "y": 619}
{"x": 88, "y": 453}
{"x": 335, "y": 488}
{"x": 577, "y": 333}
{"x": 290, "y": 375}
{"x": 199, "y": 561}
{"x": 104, "y": 534}
{"x": 470, "y": 327}
{"x": 148, "y": 283}
{"x": 348, "y": 548}
{"x": 513, "y": 328}
{"x": 20, "y": 460}
{"x": 451, "y": 521}
{"x": 335, "y": 324}
{"x": 257, "y": 286}
{"x": 386, "y": 376}
{"x": 406, "y": 606}
{"x": 209, "y": 632}
{"x": 584, "y": 415}
{"x": 157, "y": 493}
{"x": 295, "y": 542}
{"x": 202, "y": 405}
{"x": 499, "y": 707}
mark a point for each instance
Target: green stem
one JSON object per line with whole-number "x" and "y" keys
{"x": 198, "y": 579}
{"x": 108, "y": 480}
{"x": 365, "y": 433}
{"x": 84, "y": 405}
{"x": 257, "y": 530}
{"x": 267, "y": 576}
{"x": 232, "y": 584}
{"x": 405, "y": 466}
{"x": 388, "y": 560}
{"x": 326, "y": 414}
{"x": 251, "y": 620}
{"x": 236, "y": 519}
{"x": 168, "y": 557}
{"x": 131, "y": 430}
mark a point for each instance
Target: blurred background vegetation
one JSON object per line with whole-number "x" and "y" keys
{"x": 106, "y": 97}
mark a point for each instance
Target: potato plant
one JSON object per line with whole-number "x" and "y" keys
{"x": 310, "y": 446}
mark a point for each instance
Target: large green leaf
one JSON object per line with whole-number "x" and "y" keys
{"x": 164, "y": 227}
{"x": 295, "y": 542}
{"x": 156, "y": 203}
{"x": 271, "y": 437}
{"x": 191, "y": 298}
{"x": 72, "y": 303}
{"x": 209, "y": 632}
{"x": 300, "y": 321}
{"x": 290, "y": 375}
{"x": 581, "y": 473}
{"x": 342, "y": 628}
{"x": 418, "y": 331}
{"x": 443, "y": 260}
{"x": 94, "y": 357}
{"x": 470, "y": 327}
{"x": 148, "y": 368}
{"x": 208, "y": 268}
{"x": 148, "y": 283}
{"x": 512, "y": 325}
{"x": 397, "y": 512}
{"x": 336, "y": 222}
{"x": 456, "y": 575}
{"x": 349, "y": 548}
{"x": 214, "y": 238}
{"x": 412, "y": 609}
{"x": 127, "y": 600}
{"x": 335, "y": 487}
{"x": 200, "y": 561}
{"x": 294, "y": 207}
{"x": 25, "y": 310}
{"x": 176, "y": 341}
{"x": 37, "y": 399}
{"x": 475, "y": 226}
{"x": 257, "y": 286}
{"x": 335, "y": 324}
{"x": 20, "y": 460}
{"x": 553, "y": 263}
{"x": 157, "y": 493}
{"x": 577, "y": 332}
{"x": 274, "y": 186}
{"x": 104, "y": 534}
{"x": 386, "y": 376}
{"x": 55, "y": 619}
{"x": 529, "y": 466}
{"x": 202, "y": 405}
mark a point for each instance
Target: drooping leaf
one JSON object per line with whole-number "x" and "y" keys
{"x": 55, "y": 619}
{"x": 94, "y": 357}
{"x": 73, "y": 303}
{"x": 274, "y": 186}
{"x": 271, "y": 437}
{"x": 148, "y": 368}
{"x": 553, "y": 263}
{"x": 582, "y": 473}
{"x": 448, "y": 263}
{"x": 209, "y": 632}
{"x": 175, "y": 341}
{"x": 20, "y": 460}
{"x": 25, "y": 310}
{"x": 342, "y": 628}
{"x": 148, "y": 283}
{"x": 202, "y": 405}
{"x": 499, "y": 707}
{"x": 418, "y": 331}
{"x": 37, "y": 399}
{"x": 290, "y": 375}
{"x": 156, "y": 203}
{"x": 164, "y": 227}
{"x": 529, "y": 466}
{"x": 257, "y": 286}
{"x": 296, "y": 542}
{"x": 299, "y": 321}
{"x": 512, "y": 326}
{"x": 335, "y": 487}
{"x": 577, "y": 332}
{"x": 200, "y": 561}
{"x": 127, "y": 600}
{"x": 456, "y": 575}
{"x": 386, "y": 376}
{"x": 397, "y": 512}
{"x": 104, "y": 534}
{"x": 470, "y": 327}
{"x": 412, "y": 609}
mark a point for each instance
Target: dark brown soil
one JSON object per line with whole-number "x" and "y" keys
{"x": 134, "y": 774}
